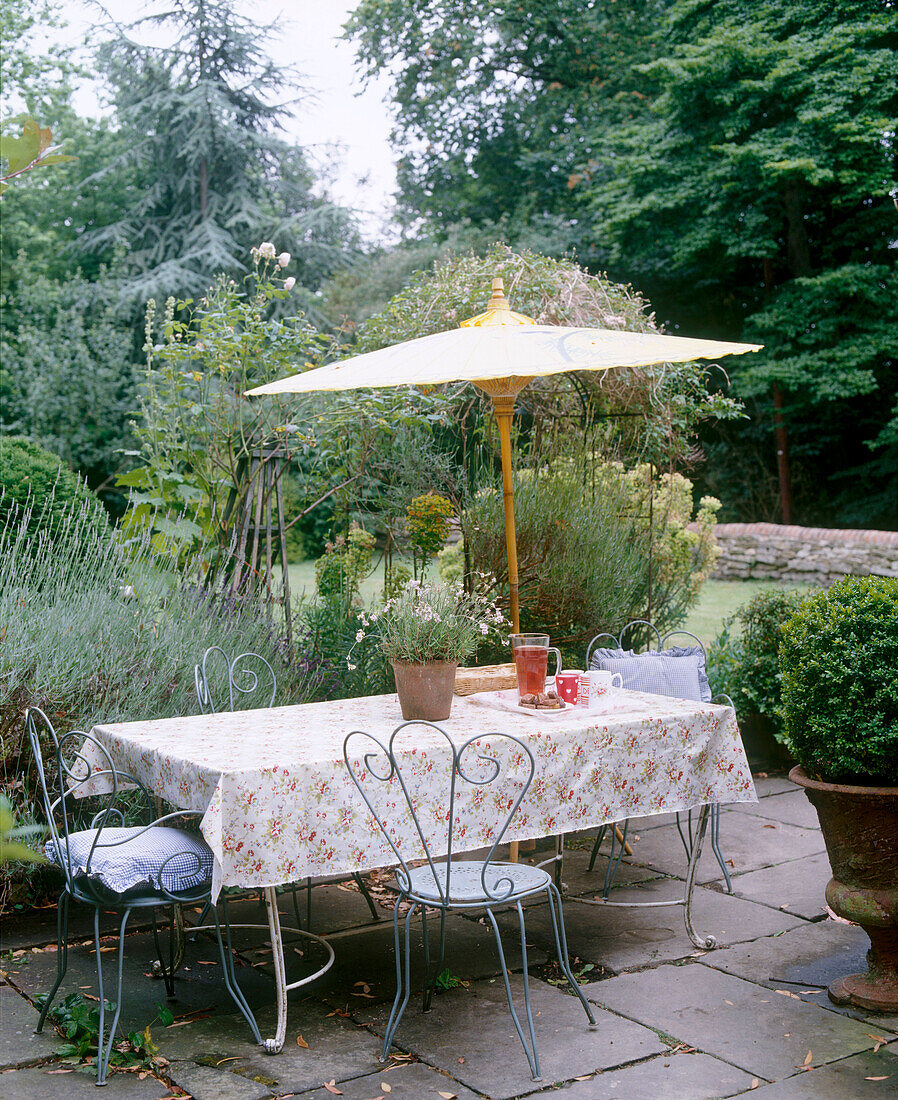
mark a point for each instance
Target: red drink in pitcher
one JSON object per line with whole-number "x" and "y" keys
{"x": 531, "y": 658}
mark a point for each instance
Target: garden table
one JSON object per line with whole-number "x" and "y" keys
{"x": 279, "y": 804}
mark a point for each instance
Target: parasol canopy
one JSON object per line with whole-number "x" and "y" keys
{"x": 500, "y": 351}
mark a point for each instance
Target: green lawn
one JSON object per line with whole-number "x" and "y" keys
{"x": 718, "y": 599}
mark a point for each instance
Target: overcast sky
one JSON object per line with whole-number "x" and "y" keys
{"x": 344, "y": 128}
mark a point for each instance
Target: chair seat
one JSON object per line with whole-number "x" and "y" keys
{"x": 137, "y": 858}
{"x": 466, "y": 882}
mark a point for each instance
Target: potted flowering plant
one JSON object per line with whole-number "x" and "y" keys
{"x": 425, "y": 632}
{"x": 840, "y": 701}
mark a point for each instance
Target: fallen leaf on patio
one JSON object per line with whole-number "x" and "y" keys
{"x": 449, "y": 1095}
{"x": 90, "y": 997}
{"x": 206, "y": 962}
{"x": 49, "y": 1071}
{"x": 755, "y": 1083}
{"x": 331, "y": 1086}
{"x": 787, "y": 993}
{"x": 461, "y": 1061}
{"x": 787, "y": 1034}
{"x": 300, "y": 1042}
{"x": 769, "y": 826}
{"x": 233, "y": 1058}
{"x": 365, "y": 987}
{"x": 808, "y": 1059}
{"x": 887, "y": 1076}
{"x": 386, "y": 1087}
{"x": 588, "y": 1077}
{"x": 726, "y": 1002}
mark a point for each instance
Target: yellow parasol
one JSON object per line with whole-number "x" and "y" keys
{"x": 500, "y": 352}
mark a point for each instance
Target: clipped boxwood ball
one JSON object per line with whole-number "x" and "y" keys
{"x": 839, "y": 662}
{"x": 30, "y": 475}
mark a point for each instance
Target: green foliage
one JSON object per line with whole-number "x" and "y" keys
{"x": 31, "y": 149}
{"x": 39, "y": 494}
{"x": 79, "y": 1022}
{"x": 71, "y": 375}
{"x": 202, "y": 171}
{"x": 197, "y": 431}
{"x": 743, "y": 660}
{"x": 427, "y": 522}
{"x": 434, "y": 622}
{"x": 494, "y": 100}
{"x": 345, "y": 563}
{"x": 587, "y": 552}
{"x": 95, "y": 629}
{"x": 13, "y": 837}
{"x": 754, "y": 201}
{"x": 840, "y": 682}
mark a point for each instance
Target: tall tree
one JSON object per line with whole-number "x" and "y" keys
{"x": 756, "y": 201}
{"x": 494, "y": 97}
{"x": 203, "y": 174}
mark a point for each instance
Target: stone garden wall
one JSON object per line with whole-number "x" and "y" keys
{"x": 772, "y": 551}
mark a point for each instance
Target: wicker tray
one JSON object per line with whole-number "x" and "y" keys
{"x": 468, "y": 681}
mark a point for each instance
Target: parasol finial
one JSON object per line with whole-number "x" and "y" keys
{"x": 498, "y": 311}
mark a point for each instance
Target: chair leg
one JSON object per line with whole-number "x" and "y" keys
{"x": 360, "y": 882}
{"x": 166, "y": 972}
{"x": 561, "y": 948}
{"x": 403, "y": 977}
{"x": 62, "y": 955}
{"x": 104, "y": 1051}
{"x": 532, "y": 1058}
{"x": 526, "y": 976}
{"x": 227, "y": 967}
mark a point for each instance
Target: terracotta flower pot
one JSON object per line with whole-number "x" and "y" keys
{"x": 425, "y": 691}
{"x": 860, "y": 828}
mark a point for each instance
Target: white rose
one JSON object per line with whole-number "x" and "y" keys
{"x": 283, "y": 259}
{"x": 290, "y": 283}
{"x": 266, "y": 250}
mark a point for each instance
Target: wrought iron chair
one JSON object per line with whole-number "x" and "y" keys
{"x": 446, "y": 883}
{"x": 688, "y": 838}
{"x": 249, "y": 675}
{"x": 109, "y": 866}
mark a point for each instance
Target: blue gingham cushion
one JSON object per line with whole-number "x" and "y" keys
{"x": 138, "y": 862}
{"x": 678, "y": 672}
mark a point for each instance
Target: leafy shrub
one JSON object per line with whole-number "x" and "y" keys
{"x": 587, "y": 553}
{"x": 840, "y": 682}
{"x": 344, "y": 564}
{"x": 427, "y": 523}
{"x": 744, "y": 662}
{"x": 38, "y": 483}
{"x": 95, "y": 631}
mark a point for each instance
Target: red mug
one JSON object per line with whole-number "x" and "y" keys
{"x": 567, "y": 684}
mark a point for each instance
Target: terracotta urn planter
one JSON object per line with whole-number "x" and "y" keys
{"x": 425, "y": 690}
{"x": 860, "y": 828}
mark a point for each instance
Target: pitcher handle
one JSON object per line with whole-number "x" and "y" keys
{"x": 557, "y": 653}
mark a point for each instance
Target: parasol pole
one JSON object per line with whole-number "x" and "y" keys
{"x": 503, "y": 405}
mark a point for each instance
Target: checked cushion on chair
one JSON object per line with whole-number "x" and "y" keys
{"x": 678, "y": 672}
{"x": 180, "y": 860}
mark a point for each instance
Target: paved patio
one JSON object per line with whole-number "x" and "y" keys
{"x": 674, "y": 1023}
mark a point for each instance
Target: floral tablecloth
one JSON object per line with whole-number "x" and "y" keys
{"x": 279, "y": 803}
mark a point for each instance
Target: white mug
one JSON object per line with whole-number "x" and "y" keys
{"x": 596, "y": 683}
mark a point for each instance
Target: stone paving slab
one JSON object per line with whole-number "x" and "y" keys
{"x": 37, "y": 927}
{"x": 197, "y": 986}
{"x": 857, "y": 1078}
{"x": 665, "y": 1077}
{"x": 796, "y": 887}
{"x": 43, "y": 1082}
{"x": 748, "y": 842}
{"x": 19, "y": 1046}
{"x": 413, "y": 1082}
{"x": 475, "y": 1024}
{"x": 578, "y": 880}
{"x": 803, "y": 961}
{"x": 768, "y": 784}
{"x": 793, "y": 809}
{"x": 621, "y": 938}
{"x": 766, "y": 1035}
{"x": 337, "y": 1048}
{"x": 215, "y": 1083}
{"x": 364, "y": 969}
